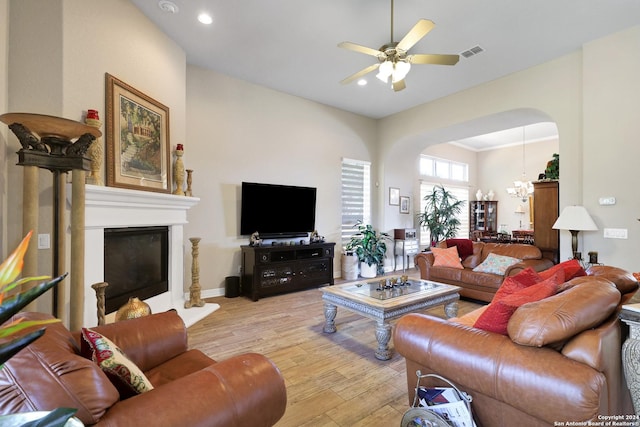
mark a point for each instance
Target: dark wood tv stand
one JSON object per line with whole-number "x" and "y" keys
{"x": 276, "y": 269}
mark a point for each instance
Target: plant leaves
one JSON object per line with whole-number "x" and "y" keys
{"x": 12, "y": 266}
{"x": 8, "y": 350}
{"x": 56, "y": 418}
{"x": 17, "y": 302}
{"x": 17, "y": 326}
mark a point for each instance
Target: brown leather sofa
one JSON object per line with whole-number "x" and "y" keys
{"x": 190, "y": 389}
{"x": 561, "y": 360}
{"x": 477, "y": 285}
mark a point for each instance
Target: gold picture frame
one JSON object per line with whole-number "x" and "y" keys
{"x": 138, "y": 153}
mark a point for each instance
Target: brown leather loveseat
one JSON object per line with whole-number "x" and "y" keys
{"x": 478, "y": 285}
{"x": 190, "y": 389}
{"x": 559, "y": 363}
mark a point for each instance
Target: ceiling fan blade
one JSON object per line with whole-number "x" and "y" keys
{"x": 359, "y": 74}
{"x": 360, "y": 48}
{"x": 426, "y": 58}
{"x": 417, "y": 32}
{"x": 399, "y": 85}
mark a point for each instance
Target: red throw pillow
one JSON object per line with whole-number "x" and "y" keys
{"x": 496, "y": 316}
{"x": 511, "y": 284}
{"x": 571, "y": 268}
{"x": 465, "y": 246}
{"x": 537, "y": 292}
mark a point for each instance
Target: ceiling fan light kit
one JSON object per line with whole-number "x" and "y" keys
{"x": 393, "y": 61}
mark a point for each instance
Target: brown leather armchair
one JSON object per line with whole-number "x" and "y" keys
{"x": 190, "y": 389}
{"x": 561, "y": 360}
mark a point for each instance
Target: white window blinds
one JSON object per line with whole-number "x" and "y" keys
{"x": 356, "y": 196}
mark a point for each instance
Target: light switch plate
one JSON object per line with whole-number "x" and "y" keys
{"x": 44, "y": 241}
{"x": 615, "y": 233}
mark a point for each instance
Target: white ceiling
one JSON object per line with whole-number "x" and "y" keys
{"x": 291, "y": 45}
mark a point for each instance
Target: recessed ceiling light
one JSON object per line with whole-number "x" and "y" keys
{"x": 362, "y": 82}
{"x": 205, "y": 18}
{"x": 168, "y": 6}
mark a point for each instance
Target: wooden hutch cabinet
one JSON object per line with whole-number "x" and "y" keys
{"x": 483, "y": 218}
{"x": 545, "y": 213}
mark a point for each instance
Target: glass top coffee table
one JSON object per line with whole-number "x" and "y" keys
{"x": 384, "y": 299}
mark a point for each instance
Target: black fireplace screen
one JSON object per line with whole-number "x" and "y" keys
{"x": 135, "y": 264}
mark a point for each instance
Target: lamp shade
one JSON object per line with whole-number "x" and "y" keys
{"x": 575, "y": 218}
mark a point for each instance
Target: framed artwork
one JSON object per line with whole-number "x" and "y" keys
{"x": 137, "y": 139}
{"x": 404, "y": 204}
{"x": 394, "y": 196}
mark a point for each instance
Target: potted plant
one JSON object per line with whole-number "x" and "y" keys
{"x": 11, "y": 302}
{"x": 370, "y": 248}
{"x": 440, "y": 214}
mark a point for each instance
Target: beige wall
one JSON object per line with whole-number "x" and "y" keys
{"x": 57, "y": 67}
{"x": 235, "y": 131}
{"x": 273, "y": 138}
{"x": 499, "y": 168}
{"x": 592, "y": 96}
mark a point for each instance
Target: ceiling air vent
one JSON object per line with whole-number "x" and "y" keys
{"x": 473, "y": 51}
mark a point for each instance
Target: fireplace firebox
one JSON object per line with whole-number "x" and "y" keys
{"x": 135, "y": 264}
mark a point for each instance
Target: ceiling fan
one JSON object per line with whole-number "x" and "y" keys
{"x": 393, "y": 61}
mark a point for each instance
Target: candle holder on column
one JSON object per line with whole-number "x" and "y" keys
{"x": 178, "y": 171}
{"x": 195, "y": 299}
{"x": 95, "y": 151}
{"x": 100, "y": 289}
{"x": 189, "y": 180}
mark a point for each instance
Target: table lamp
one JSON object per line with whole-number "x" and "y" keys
{"x": 575, "y": 219}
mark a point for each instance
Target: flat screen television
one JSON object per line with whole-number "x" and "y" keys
{"x": 277, "y": 210}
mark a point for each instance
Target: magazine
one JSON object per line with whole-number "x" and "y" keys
{"x": 446, "y": 402}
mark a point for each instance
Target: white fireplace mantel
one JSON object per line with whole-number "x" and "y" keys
{"x": 110, "y": 207}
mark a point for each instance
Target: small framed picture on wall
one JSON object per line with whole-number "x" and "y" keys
{"x": 404, "y": 204}
{"x": 394, "y": 196}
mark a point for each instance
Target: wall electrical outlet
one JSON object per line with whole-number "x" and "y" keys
{"x": 239, "y": 269}
{"x": 606, "y": 201}
{"x": 615, "y": 233}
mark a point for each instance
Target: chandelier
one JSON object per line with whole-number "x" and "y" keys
{"x": 522, "y": 187}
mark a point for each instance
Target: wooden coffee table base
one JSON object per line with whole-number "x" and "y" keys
{"x": 384, "y": 310}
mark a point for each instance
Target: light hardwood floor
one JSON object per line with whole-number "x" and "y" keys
{"x": 331, "y": 379}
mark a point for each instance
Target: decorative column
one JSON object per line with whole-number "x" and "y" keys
{"x": 100, "y": 289}
{"x": 30, "y": 212}
{"x": 47, "y": 144}
{"x": 178, "y": 171}
{"x": 77, "y": 249}
{"x": 194, "y": 289}
{"x": 189, "y": 181}
{"x": 96, "y": 150}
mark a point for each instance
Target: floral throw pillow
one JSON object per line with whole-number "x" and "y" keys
{"x": 447, "y": 257}
{"x": 496, "y": 264}
{"x": 123, "y": 373}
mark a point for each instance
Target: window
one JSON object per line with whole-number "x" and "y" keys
{"x": 443, "y": 169}
{"x": 454, "y": 174}
{"x": 356, "y": 196}
{"x": 461, "y": 194}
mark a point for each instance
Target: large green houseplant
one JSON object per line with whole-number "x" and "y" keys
{"x": 370, "y": 248}
{"x": 440, "y": 215}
